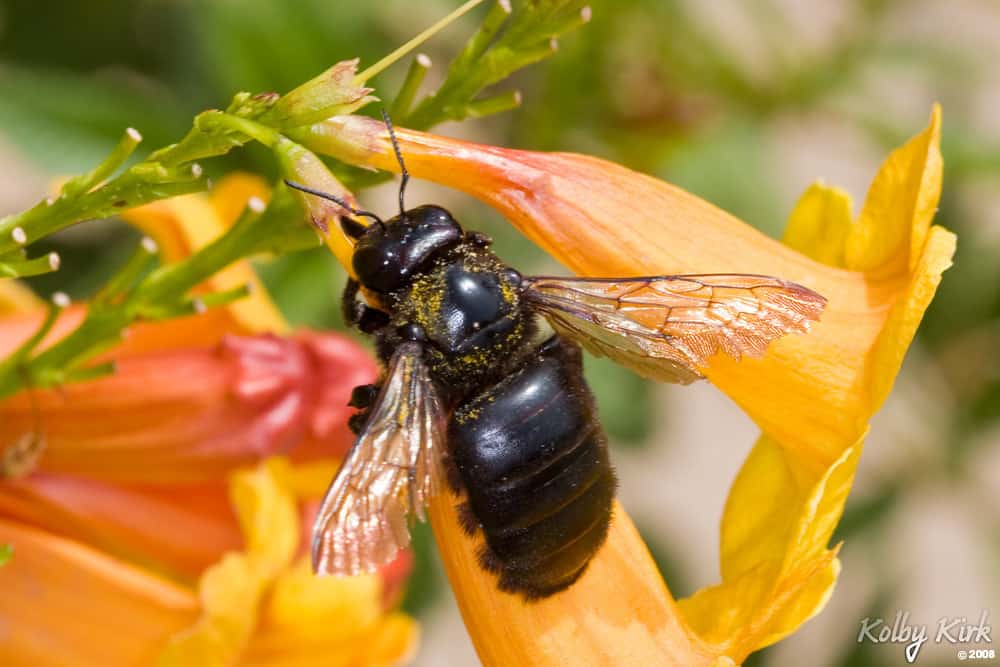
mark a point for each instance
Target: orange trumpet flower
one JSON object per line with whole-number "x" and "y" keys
{"x": 812, "y": 395}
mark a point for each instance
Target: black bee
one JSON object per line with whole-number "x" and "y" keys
{"x": 473, "y": 398}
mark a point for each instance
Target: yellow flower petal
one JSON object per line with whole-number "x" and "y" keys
{"x": 231, "y": 590}
{"x": 327, "y": 622}
{"x": 302, "y": 604}
{"x": 310, "y": 481}
{"x": 16, "y": 297}
{"x": 776, "y": 569}
{"x": 784, "y": 501}
{"x": 820, "y": 223}
{"x": 259, "y": 609}
{"x": 230, "y": 196}
{"x": 267, "y": 513}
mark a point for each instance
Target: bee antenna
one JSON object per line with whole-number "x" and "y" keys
{"x": 399, "y": 158}
{"x": 337, "y": 200}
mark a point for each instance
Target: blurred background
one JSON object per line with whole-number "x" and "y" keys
{"x": 743, "y": 103}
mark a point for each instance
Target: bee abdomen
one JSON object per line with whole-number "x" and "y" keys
{"x": 534, "y": 462}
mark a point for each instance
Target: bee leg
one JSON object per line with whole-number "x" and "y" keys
{"x": 359, "y": 314}
{"x": 362, "y": 397}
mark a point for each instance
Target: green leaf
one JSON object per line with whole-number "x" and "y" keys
{"x": 425, "y": 585}
{"x": 623, "y": 400}
{"x": 6, "y": 553}
{"x": 664, "y": 557}
{"x": 66, "y": 122}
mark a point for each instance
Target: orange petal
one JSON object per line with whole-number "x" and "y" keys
{"x": 66, "y": 604}
{"x": 150, "y": 526}
{"x": 194, "y": 414}
{"x": 618, "y": 613}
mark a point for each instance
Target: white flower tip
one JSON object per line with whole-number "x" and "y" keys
{"x": 554, "y": 44}
{"x": 133, "y": 134}
{"x": 517, "y": 97}
{"x": 149, "y": 245}
{"x": 586, "y": 13}
{"x": 61, "y": 299}
{"x": 505, "y": 5}
{"x": 256, "y": 204}
{"x": 198, "y": 305}
{"x": 424, "y": 60}
{"x": 196, "y": 170}
{"x": 19, "y": 236}
{"x": 54, "y": 261}
{"x": 49, "y": 201}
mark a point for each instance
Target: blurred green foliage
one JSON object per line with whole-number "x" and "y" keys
{"x": 653, "y": 84}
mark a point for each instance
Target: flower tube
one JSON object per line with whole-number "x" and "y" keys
{"x": 812, "y": 395}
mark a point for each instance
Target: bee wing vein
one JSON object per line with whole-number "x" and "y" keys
{"x": 667, "y": 327}
{"x": 391, "y": 471}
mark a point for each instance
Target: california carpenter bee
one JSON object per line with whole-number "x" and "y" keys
{"x": 474, "y": 398}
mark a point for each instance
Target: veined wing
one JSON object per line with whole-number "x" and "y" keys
{"x": 391, "y": 471}
{"x": 667, "y": 327}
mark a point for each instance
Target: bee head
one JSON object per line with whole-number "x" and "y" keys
{"x": 388, "y": 255}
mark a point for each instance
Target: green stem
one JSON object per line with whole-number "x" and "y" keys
{"x": 390, "y": 59}
{"x": 129, "y": 274}
{"x": 126, "y": 146}
{"x": 480, "y": 41}
{"x": 408, "y": 91}
{"x": 30, "y": 267}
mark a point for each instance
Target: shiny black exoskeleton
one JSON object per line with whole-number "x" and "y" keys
{"x": 524, "y": 441}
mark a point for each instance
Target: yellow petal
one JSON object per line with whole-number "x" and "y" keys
{"x": 902, "y": 201}
{"x": 820, "y": 223}
{"x": 776, "y": 570}
{"x": 268, "y": 515}
{"x": 329, "y": 621}
{"x": 230, "y": 195}
{"x": 230, "y": 591}
{"x": 16, "y": 297}
{"x": 785, "y": 500}
{"x": 778, "y": 606}
{"x": 310, "y": 481}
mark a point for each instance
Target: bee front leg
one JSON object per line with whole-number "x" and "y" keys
{"x": 359, "y": 314}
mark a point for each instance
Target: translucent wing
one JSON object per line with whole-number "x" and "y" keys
{"x": 392, "y": 470}
{"x": 667, "y": 327}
